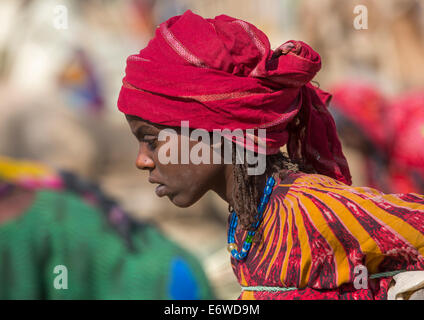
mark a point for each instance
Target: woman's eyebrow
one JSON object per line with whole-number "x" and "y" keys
{"x": 144, "y": 130}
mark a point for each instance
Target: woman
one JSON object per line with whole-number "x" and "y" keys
{"x": 50, "y": 220}
{"x": 297, "y": 230}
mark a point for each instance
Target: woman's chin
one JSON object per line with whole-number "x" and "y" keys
{"x": 181, "y": 201}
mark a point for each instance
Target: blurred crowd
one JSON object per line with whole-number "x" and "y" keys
{"x": 386, "y": 134}
{"x": 59, "y": 85}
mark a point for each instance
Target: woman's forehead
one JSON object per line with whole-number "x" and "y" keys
{"x": 137, "y": 122}
{"x": 134, "y": 119}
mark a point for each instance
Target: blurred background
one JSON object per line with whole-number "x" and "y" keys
{"x": 62, "y": 63}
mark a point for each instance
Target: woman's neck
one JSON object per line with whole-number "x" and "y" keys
{"x": 224, "y": 184}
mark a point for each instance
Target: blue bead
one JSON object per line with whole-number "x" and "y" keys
{"x": 233, "y": 222}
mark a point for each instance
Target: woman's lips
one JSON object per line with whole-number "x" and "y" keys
{"x": 161, "y": 190}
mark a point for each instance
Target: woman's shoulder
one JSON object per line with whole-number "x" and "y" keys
{"x": 295, "y": 182}
{"x": 306, "y": 187}
{"x": 321, "y": 193}
{"x": 301, "y": 182}
{"x": 307, "y": 179}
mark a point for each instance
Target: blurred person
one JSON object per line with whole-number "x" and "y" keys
{"x": 142, "y": 12}
{"x": 395, "y": 25}
{"x": 384, "y": 132}
{"x": 406, "y": 152}
{"x": 51, "y": 219}
{"x": 81, "y": 84}
{"x": 359, "y": 110}
{"x": 48, "y": 132}
{"x": 305, "y": 235}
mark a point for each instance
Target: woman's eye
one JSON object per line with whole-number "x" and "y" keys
{"x": 150, "y": 142}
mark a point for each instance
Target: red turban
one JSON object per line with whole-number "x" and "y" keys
{"x": 222, "y": 74}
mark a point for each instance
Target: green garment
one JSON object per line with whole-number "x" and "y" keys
{"x": 59, "y": 229}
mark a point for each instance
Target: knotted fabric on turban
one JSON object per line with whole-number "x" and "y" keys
{"x": 222, "y": 74}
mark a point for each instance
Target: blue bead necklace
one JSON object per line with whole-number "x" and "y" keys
{"x": 232, "y": 247}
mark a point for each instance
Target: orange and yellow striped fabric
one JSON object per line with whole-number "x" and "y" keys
{"x": 317, "y": 230}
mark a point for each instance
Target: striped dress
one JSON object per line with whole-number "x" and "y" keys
{"x": 318, "y": 234}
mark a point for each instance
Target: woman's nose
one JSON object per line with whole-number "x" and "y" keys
{"x": 143, "y": 160}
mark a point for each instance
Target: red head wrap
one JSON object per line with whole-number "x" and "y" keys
{"x": 222, "y": 74}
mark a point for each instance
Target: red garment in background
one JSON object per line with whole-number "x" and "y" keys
{"x": 360, "y": 109}
{"x": 406, "y": 120}
{"x": 222, "y": 74}
{"x": 365, "y": 106}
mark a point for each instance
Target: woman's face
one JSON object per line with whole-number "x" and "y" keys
{"x": 183, "y": 184}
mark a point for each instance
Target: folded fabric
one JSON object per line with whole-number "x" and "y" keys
{"x": 408, "y": 285}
